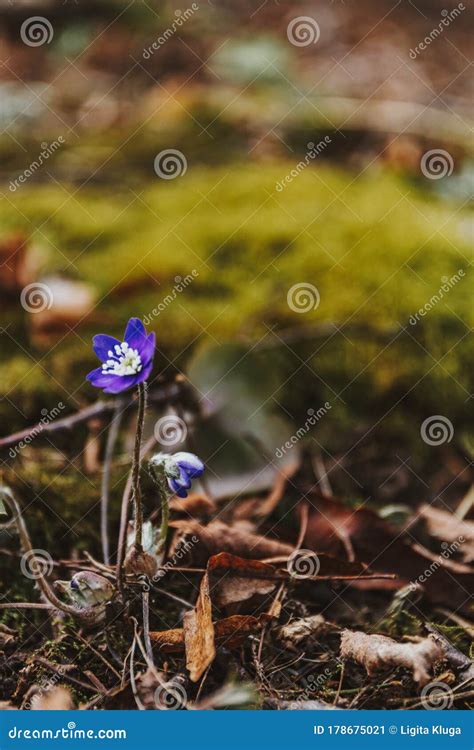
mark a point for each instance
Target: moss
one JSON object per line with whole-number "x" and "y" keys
{"x": 374, "y": 246}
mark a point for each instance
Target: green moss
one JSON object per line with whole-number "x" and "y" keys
{"x": 375, "y": 248}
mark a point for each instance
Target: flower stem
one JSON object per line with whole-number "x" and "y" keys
{"x": 159, "y": 477}
{"x": 136, "y": 492}
{"x": 165, "y": 509}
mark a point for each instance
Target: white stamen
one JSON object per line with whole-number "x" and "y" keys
{"x": 126, "y": 361}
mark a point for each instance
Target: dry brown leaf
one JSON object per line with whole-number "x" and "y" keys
{"x": 298, "y": 630}
{"x": 230, "y": 631}
{"x": 238, "y": 540}
{"x": 199, "y": 633}
{"x": 240, "y": 579}
{"x": 196, "y": 505}
{"x": 56, "y": 699}
{"x": 449, "y": 529}
{"x": 378, "y": 652}
{"x": 379, "y": 545}
{"x": 303, "y": 705}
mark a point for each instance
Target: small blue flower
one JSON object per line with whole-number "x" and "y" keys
{"x": 124, "y": 363}
{"x": 179, "y": 469}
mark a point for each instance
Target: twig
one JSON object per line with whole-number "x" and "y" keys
{"x": 146, "y": 624}
{"x": 322, "y": 475}
{"x": 158, "y": 396}
{"x": 104, "y": 497}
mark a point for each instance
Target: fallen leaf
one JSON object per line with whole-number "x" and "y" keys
{"x": 196, "y": 505}
{"x": 379, "y": 545}
{"x": 300, "y": 705}
{"x": 199, "y": 633}
{"x": 379, "y": 652}
{"x": 238, "y": 540}
{"x": 235, "y": 696}
{"x": 298, "y": 630}
{"x": 240, "y": 579}
{"x": 450, "y": 531}
{"x": 230, "y": 631}
{"x": 56, "y": 699}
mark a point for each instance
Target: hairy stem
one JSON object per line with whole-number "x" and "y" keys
{"x": 136, "y": 492}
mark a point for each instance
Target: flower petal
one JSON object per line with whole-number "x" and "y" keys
{"x": 146, "y": 348}
{"x": 102, "y": 344}
{"x": 110, "y": 383}
{"x": 177, "y": 488}
{"x": 192, "y": 465}
{"x": 135, "y": 334}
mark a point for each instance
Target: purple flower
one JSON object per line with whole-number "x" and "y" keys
{"x": 124, "y": 363}
{"x": 179, "y": 469}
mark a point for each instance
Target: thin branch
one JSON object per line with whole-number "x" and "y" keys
{"x": 159, "y": 396}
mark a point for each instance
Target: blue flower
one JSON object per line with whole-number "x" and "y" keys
{"x": 124, "y": 363}
{"x": 179, "y": 469}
